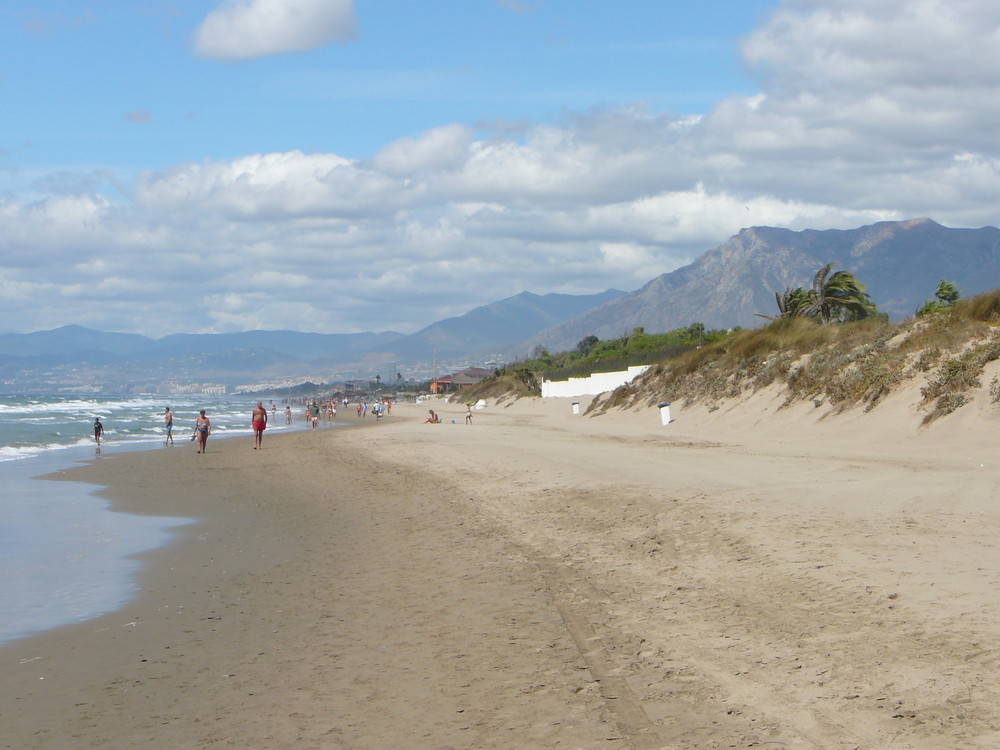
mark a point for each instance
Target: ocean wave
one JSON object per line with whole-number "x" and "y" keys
{"x": 13, "y": 453}
{"x": 88, "y": 406}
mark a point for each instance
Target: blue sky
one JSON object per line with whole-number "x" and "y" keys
{"x": 117, "y": 83}
{"x": 341, "y": 166}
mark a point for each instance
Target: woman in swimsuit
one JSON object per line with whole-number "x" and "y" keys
{"x": 202, "y": 429}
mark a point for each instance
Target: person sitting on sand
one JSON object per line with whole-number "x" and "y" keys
{"x": 433, "y": 418}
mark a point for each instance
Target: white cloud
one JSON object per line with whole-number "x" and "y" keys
{"x": 858, "y": 119}
{"x": 245, "y": 29}
{"x": 440, "y": 149}
{"x": 857, "y": 45}
{"x": 270, "y": 186}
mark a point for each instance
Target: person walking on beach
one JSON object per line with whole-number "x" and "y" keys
{"x": 98, "y": 430}
{"x": 288, "y": 415}
{"x": 259, "y": 421}
{"x": 468, "y": 413}
{"x": 202, "y": 429}
{"x": 168, "y": 423}
{"x": 314, "y": 415}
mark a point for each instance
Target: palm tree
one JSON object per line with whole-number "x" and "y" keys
{"x": 838, "y": 296}
{"x": 790, "y": 303}
{"x": 947, "y": 294}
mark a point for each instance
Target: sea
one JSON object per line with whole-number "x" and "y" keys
{"x": 65, "y": 557}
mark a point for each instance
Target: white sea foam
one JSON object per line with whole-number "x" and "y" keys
{"x": 12, "y": 453}
{"x": 72, "y": 406}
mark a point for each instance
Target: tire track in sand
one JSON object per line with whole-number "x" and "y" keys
{"x": 629, "y": 716}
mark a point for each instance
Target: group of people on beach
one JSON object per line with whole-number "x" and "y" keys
{"x": 258, "y": 420}
{"x": 435, "y": 418}
{"x": 379, "y": 409}
{"x": 202, "y": 428}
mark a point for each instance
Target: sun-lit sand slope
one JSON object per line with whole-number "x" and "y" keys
{"x": 748, "y": 577}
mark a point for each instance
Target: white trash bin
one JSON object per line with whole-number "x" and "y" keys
{"x": 576, "y": 407}
{"x": 664, "y": 413}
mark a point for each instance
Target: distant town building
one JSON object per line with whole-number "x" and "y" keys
{"x": 459, "y": 380}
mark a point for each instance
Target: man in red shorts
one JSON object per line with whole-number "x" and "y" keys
{"x": 259, "y": 420}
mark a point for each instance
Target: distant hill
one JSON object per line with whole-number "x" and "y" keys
{"x": 495, "y": 326}
{"x": 74, "y": 355}
{"x": 295, "y": 345}
{"x": 900, "y": 262}
{"x": 54, "y": 356}
{"x": 72, "y": 340}
{"x": 68, "y": 341}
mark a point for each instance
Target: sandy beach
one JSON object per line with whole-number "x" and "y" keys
{"x": 744, "y": 577}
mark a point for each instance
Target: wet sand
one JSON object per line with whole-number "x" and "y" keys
{"x": 742, "y": 577}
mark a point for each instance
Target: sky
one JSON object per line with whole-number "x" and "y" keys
{"x": 341, "y": 166}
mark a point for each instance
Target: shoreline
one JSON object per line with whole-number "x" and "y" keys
{"x": 220, "y": 634}
{"x": 538, "y": 579}
{"x": 69, "y": 541}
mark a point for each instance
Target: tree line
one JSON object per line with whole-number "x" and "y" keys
{"x": 840, "y": 297}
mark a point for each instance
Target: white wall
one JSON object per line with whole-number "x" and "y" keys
{"x": 599, "y": 382}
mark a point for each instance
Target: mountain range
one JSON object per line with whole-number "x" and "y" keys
{"x": 74, "y": 355}
{"x": 900, "y": 262}
{"x": 733, "y": 284}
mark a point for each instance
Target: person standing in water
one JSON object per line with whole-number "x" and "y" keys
{"x": 202, "y": 429}
{"x": 259, "y": 420}
{"x": 168, "y": 423}
{"x": 98, "y": 430}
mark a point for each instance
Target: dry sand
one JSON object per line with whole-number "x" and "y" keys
{"x": 745, "y": 577}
